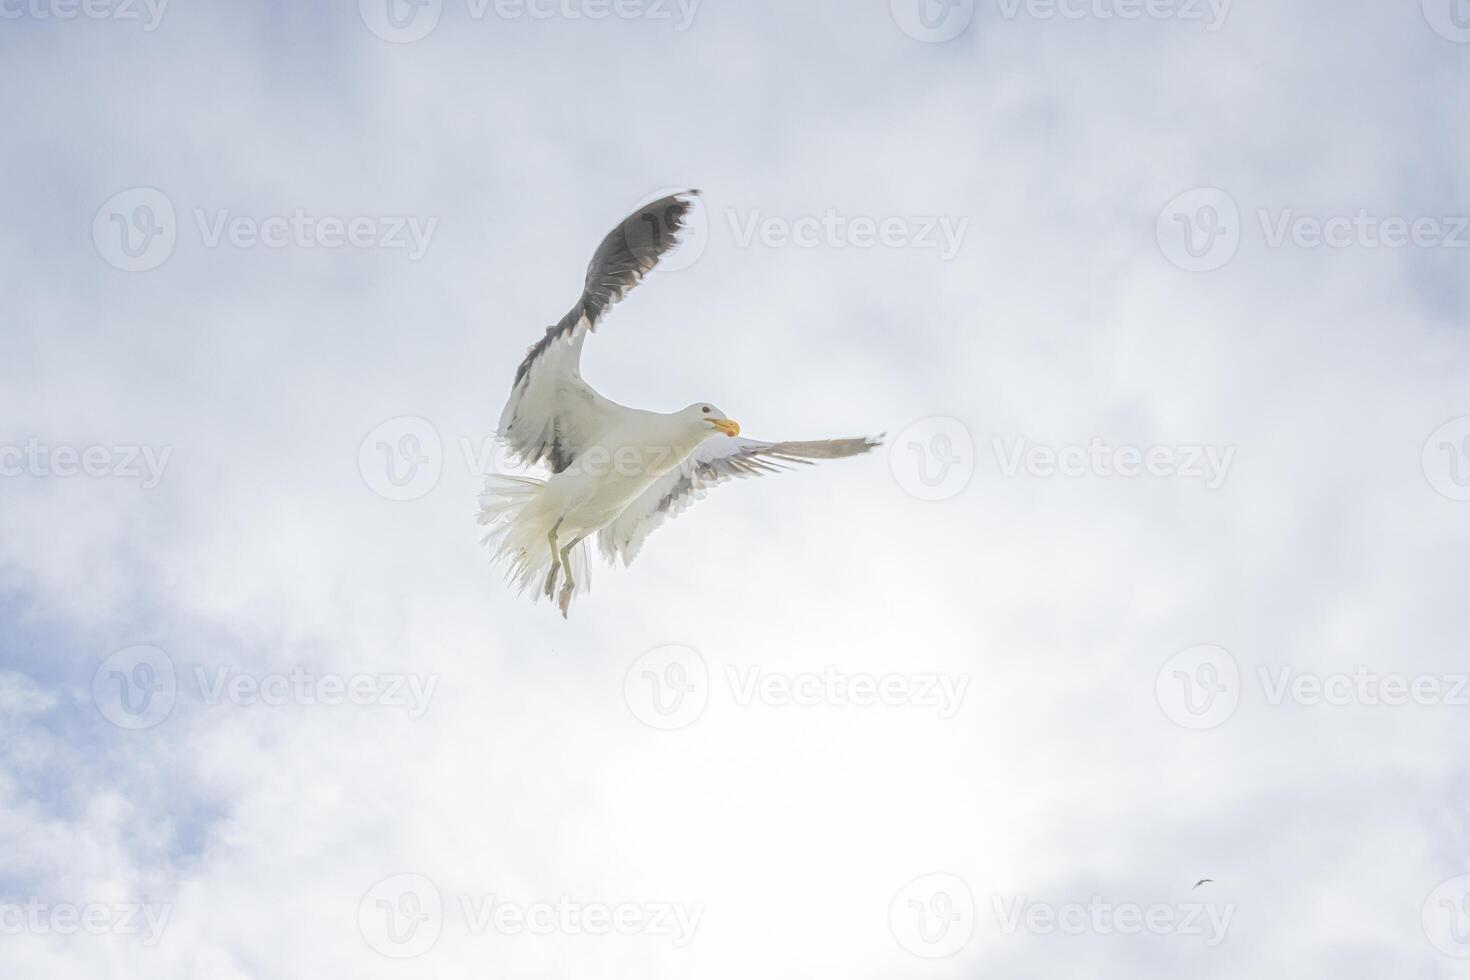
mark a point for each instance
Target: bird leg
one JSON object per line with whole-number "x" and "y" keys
{"x": 551, "y": 575}
{"x": 565, "y": 599}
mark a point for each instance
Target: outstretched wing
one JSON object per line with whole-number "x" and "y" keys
{"x": 712, "y": 463}
{"x": 552, "y": 414}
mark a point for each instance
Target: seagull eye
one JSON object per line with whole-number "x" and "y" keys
{"x": 706, "y": 409}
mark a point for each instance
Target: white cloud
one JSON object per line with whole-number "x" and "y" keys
{"x": 1058, "y": 320}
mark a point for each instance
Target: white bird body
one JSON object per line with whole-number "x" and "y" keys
{"x": 617, "y": 471}
{"x": 618, "y": 467}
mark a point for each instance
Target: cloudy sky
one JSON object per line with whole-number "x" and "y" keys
{"x": 1160, "y": 575}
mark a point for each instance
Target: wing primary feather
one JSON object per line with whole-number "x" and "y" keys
{"x": 715, "y": 462}
{"x": 626, "y": 255}
{"x": 552, "y": 414}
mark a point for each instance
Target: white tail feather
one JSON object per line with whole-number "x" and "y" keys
{"x": 513, "y": 509}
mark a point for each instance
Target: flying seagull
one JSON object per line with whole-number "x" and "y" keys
{"x": 1202, "y": 881}
{"x": 616, "y": 471}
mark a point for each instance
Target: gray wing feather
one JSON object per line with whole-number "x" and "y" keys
{"x": 716, "y": 462}
{"x": 626, "y": 255}
{"x": 552, "y": 414}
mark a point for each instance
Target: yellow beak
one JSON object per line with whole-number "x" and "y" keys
{"x": 728, "y": 426}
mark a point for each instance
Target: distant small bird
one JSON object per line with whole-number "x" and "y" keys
{"x": 1202, "y": 881}
{"x": 616, "y": 471}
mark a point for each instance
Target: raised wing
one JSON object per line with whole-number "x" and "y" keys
{"x": 716, "y": 461}
{"x": 552, "y": 414}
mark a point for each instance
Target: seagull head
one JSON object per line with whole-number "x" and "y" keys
{"x": 711, "y": 419}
